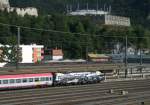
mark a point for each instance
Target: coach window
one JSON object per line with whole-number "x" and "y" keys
{"x": 24, "y": 80}
{"x": 50, "y": 78}
{"x": 42, "y": 79}
{"x": 0, "y": 82}
{"x": 12, "y": 81}
{"x": 30, "y": 79}
{"x": 5, "y": 81}
{"x": 47, "y": 79}
{"x": 18, "y": 80}
{"x": 36, "y": 79}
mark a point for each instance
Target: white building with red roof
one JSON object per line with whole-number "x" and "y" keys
{"x": 57, "y": 54}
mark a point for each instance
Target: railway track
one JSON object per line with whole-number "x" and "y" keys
{"x": 132, "y": 99}
{"x": 60, "y": 68}
{"x": 92, "y": 94}
{"x": 89, "y": 87}
{"x": 81, "y": 87}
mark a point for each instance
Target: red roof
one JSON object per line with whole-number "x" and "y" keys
{"x": 24, "y": 75}
{"x": 57, "y": 52}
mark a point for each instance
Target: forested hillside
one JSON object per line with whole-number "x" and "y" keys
{"x": 93, "y": 37}
{"x": 137, "y": 10}
{"x": 123, "y": 7}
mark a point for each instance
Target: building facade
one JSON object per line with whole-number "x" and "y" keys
{"x": 4, "y": 4}
{"x": 99, "y": 58}
{"x": 88, "y": 12}
{"x": 23, "y": 11}
{"x": 31, "y": 53}
{"x": 116, "y": 20}
{"x": 57, "y": 54}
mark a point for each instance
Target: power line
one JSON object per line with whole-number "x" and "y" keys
{"x": 64, "y": 32}
{"x": 49, "y": 30}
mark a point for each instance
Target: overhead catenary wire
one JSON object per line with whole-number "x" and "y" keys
{"x": 65, "y": 32}
{"x": 56, "y": 31}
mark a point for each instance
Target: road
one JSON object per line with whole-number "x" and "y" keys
{"x": 92, "y": 94}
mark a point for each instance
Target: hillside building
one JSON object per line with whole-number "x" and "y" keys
{"x": 57, "y": 54}
{"x": 115, "y": 20}
{"x": 88, "y": 12}
{"x": 32, "y": 53}
{"x": 4, "y": 4}
{"x": 23, "y": 11}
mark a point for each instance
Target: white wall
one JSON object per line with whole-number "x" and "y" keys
{"x": 27, "y": 54}
{"x": 88, "y": 12}
{"x": 57, "y": 57}
{"x": 117, "y": 20}
{"x": 2, "y": 64}
{"x": 29, "y": 11}
{"x": 23, "y": 11}
{"x": 4, "y": 4}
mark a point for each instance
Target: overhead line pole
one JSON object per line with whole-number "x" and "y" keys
{"x": 141, "y": 60}
{"x": 126, "y": 62}
{"x": 18, "y": 45}
{"x": 141, "y": 56}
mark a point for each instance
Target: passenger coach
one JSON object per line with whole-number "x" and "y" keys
{"x": 25, "y": 80}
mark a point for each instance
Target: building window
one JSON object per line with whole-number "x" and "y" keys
{"x": 38, "y": 49}
{"x": 39, "y": 54}
{"x": 5, "y": 81}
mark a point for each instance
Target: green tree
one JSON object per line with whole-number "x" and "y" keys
{"x": 9, "y": 52}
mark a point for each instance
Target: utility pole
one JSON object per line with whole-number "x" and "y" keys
{"x": 87, "y": 6}
{"x": 18, "y": 44}
{"x": 78, "y": 7}
{"x": 140, "y": 57}
{"x": 67, "y": 9}
{"x": 140, "y": 60}
{"x": 97, "y": 7}
{"x": 126, "y": 47}
{"x": 87, "y": 38}
{"x": 70, "y": 8}
{"x": 87, "y": 51}
{"x": 110, "y": 9}
{"x": 104, "y": 7}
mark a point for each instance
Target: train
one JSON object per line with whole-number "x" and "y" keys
{"x": 18, "y": 81}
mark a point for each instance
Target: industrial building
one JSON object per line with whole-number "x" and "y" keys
{"x": 115, "y": 20}
{"x": 99, "y": 58}
{"x": 88, "y": 12}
